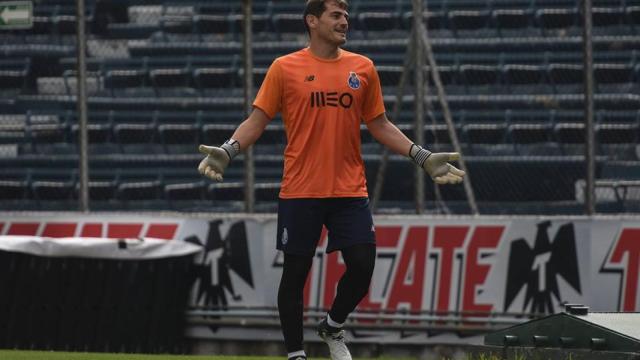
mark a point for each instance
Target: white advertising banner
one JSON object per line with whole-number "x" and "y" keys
{"x": 100, "y": 248}
{"x": 431, "y": 265}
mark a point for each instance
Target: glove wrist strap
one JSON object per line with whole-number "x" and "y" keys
{"x": 232, "y": 147}
{"x": 419, "y": 154}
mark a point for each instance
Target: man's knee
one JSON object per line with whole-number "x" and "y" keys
{"x": 360, "y": 260}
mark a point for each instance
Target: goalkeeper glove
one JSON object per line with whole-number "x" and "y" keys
{"x": 217, "y": 159}
{"x": 436, "y": 165}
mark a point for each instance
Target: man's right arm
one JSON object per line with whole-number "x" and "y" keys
{"x": 218, "y": 158}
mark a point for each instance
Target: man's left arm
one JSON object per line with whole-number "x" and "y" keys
{"x": 435, "y": 164}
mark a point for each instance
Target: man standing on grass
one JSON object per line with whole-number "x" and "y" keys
{"x": 324, "y": 93}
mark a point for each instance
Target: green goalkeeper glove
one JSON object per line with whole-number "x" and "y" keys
{"x": 436, "y": 165}
{"x": 217, "y": 159}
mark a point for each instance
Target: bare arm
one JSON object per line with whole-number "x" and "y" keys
{"x": 386, "y": 133}
{"x": 435, "y": 164}
{"x": 250, "y": 130}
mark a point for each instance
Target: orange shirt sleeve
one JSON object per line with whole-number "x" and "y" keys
{"x": 269, "y": 98}
{"x": 373, "y": 104}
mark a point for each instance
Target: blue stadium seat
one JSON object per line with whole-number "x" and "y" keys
{"x": 617, "y": 141}
{"x": 259, "y": 23}
{"x": 133, "y": 134}
{"x": 51, "y": 190}
{"x": 212, "y": 24}
{"x": 14, "y": 190}
{"x": 274, "y": 134}
{"x": 218, "y": 8}
{"x": 51, "y": 133}
{"x": 101, "y": 190}
{"x": 125, "y": 79}
{"x": 437, "y": 133}
{"x": 179, "y": 133}
{"x": 108, "y": 12}
{"x": 570, "y": 137}
{"x": 469, "y": 19}
{"x": 390, "y": 75}
{"x": 267, "y": 191}
{"x": 170, "y": 78}
{"x": 258, "y": 76}
{"x": 612, "y": 133}
{"x": 529, "y": 133}
{"x": 130, "y": 30}
{"x": 557, "y": 18}
{"x": 613, "y": 73}
{"x": 13, "y": 79}
{"x": 139, "y": 190}
{"x": 515, "y": 74}
{"x": 285, "y": 7}
{"x": 607, "y": 16}
{"x": 561, "y": 75}
{"x": 288, "y": 24}
{"x": 435, "y": 20}
{"x": 489, "y": 133}
{"x": 176, "y": 24}
{"x": 632, "y": 15}
{"x": 479, "y": 74}
{"x": 217, "y": 133}
{"x": 14, "y": 73}
{"x": 533, "y": 139}
{"x": 64, "y": 24}
{"x": 185, "y": 191}
{"x": 569, "y": 133}
{"x": 179, "y": 138}
{"x": 41, "y": 25}
{"x": 97, "y": 133}
{"x": 226, "y": 191}
{"x": 212, "y": 78}
{"x": 449, "y": 75}
{"x": 377, "y": 21}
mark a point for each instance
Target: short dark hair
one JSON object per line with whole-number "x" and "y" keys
{"x": 317, "y": 7}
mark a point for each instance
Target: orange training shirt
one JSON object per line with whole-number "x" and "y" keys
{"x": 322, "y": 103}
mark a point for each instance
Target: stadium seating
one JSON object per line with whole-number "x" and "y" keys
{"x": 165, "y": 76}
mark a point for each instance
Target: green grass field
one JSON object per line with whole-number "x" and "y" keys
{"x": 50, "y": 355}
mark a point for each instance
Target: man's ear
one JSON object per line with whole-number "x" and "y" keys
{"x": 311, "y": 20}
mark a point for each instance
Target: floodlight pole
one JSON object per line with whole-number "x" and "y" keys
{"x": 419, "y": 36}
{"x": 81, "y": 105}
{"x": 419, "y": 102}
{"x": 435, "y": 75}
{"x": 588, "y": 109}
{"x": 249, "y": 166}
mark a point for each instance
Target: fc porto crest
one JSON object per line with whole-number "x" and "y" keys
{"x": 354, "y": 81}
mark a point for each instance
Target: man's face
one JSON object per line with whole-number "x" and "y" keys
{"x": 333, "y": 24}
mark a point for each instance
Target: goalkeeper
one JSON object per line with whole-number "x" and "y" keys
{"x": 323, "y": 94}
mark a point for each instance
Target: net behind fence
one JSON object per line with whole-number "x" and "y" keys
{"x": 163, "y": 77}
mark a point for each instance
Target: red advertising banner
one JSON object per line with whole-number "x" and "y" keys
{"x": 426, "y": 267}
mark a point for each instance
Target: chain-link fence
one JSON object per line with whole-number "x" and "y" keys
{"x": 164, "y": 76}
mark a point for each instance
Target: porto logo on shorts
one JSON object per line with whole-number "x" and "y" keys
{"x": 285, "y": 237}
{"x": 354, "y": 81}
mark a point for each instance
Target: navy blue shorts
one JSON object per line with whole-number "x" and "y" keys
{"x": 300, "y": 221}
